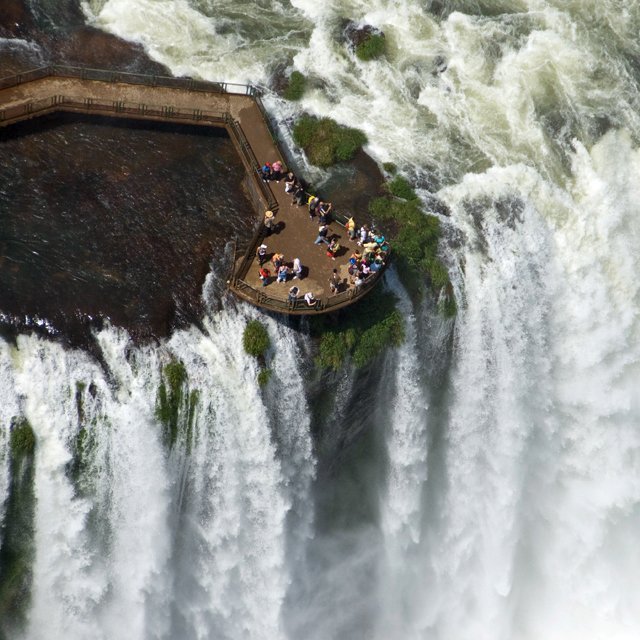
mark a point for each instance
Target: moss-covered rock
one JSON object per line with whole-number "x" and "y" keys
{"x": 296, "y": 86}
{"x": 365, "y": 330}
{"x": 17, "y": 535}
{"x": 401, "y": 188}
{"x": 22, "y": 439}
{"x": 414, "y": 236}
{"x": 264, "y": 375}
{"x": 172, "y": 401}
{"x": 80, "y": 388}
{"x": 255, "y": 339}
{"x": 326, "y": 142}
{"x": 366, "y": 41}
{"x": 372, "y": 47}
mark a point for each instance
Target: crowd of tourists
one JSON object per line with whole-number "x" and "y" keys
{"x": 370, "y": 256}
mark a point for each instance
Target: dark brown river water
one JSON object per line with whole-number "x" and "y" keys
{"x": 104, "y": 218}
{"x": 115, "y": 219}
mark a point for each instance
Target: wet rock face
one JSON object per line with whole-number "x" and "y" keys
{"x": 354, "y": 34}
{"x": 106, "y": 219}
{"x": 114, "y": 219}
{"x": 55, "y": 32}
{"x": 15, "y": 19}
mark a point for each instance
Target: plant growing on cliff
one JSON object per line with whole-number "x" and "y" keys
{"x": 16, "y": 542}
{"x": 365, "y": 331}
{"x": 255, "y": 339}
{"x": 295, "y": 87}
{"x": 264, "y": 375}
{"x": 414, "y": 239}
{"x": 372, "y": 47}
{"x": 326, "y": 142}
{"x": 175, "y": 409}
{"x": 22, "y": 440}
{"x": 256, "y": 342}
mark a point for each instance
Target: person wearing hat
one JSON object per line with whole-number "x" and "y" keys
{"x": 265, "y": 171}
{"x": 269, "y": 222}
{"x": 262, "y": 254}
{"x": 323, "y": 230}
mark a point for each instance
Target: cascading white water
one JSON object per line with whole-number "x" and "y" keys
{"x": 129, "y": 548}
{"x": 522, "y": 117}
{"x": 401, "y": 503}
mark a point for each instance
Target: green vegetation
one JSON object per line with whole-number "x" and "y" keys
{"x": 194, "y": 396}
{"x": 17, "y": 548}
{"x": 23, "y": 440}
{"x": 401, "y": 188}
{"x": 255, "y": 339}
{"x": 295, "y": 87}
{"x": 414, "y": 239}
{"x": 366, "y": 330}
{"x": 264, "y": 376}
{"x": 80, "y": 387}
{"x": 326, "y": 142}
{"x": 171, "y": 399}
{"x": 256, "y": 342}
{"x": 390, "y": 168}
{"x": 372, "y": 47}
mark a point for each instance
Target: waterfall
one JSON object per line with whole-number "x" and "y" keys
{"x": 135, "y": 540}
{"x": 499, "y": 502}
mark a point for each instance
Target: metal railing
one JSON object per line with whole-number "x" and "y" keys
{"x": 252, "y": 162}
{"x": 117, "y": 107}
{"x": 323, "y": 305}
{"x": 170, "y": 113}
{"x": 104, "y": 75}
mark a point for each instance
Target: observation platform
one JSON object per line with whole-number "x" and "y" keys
{"x": 238, "y": 109}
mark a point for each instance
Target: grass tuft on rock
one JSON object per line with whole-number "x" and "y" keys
{"x": 255, "y": 339}
{"x": 22, "y": 439}
{"x": 366, "y": 330}
{"x": 295, "y": 87}
{"x": 264, "y": 375}
{"x": 170, "y": 400}
{"x": 414, "y": 237}
{"x": 325, "y": 141}
{"x": 390, "y": 168}
{"x": 372, "y": 47}
{"x": 401, "y": 188}
{"x": 17, "y": 549}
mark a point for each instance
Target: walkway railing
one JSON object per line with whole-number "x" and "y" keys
{"x": 260, "y": 296}
{"x": 103, "y": 75}
{"x": 119, "y": 107}
{"x": 165, "y": 113}
{"x": 252, "y": 162}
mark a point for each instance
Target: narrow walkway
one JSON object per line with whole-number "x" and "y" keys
{"x": 234, "y": 107}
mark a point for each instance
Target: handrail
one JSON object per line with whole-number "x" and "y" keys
{"x": 120, "y": 107}
{"x": 344, "y": 298}
{"x": 103, "y": 75}
{"x": 168, "y": 112}
{"x": 254, "y": 165}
